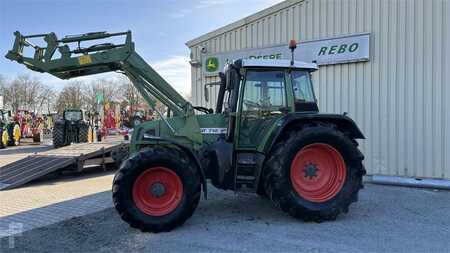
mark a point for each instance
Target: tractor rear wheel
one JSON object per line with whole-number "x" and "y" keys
{"x": 83, "y": 133}
{"x": 59, "y": 139}
{"x": 156, "y": 189}
{"x": 10, "y": 129}
{"x": 2, "y": 145}
{"x": 315, "y": 174}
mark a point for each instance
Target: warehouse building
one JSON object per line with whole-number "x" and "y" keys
{"x": 385, "y": 62}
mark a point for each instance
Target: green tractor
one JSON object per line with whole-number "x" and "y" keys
{"x": 6, "y": 129}
{"x": 265, "y": 135}
{"x": 4, "y": 134}
{"x": 71, "y": 128}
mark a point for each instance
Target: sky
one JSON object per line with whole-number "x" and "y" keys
{"x": 160, "y": 28}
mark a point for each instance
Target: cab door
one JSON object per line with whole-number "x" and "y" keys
{"x": 262, "y": 102}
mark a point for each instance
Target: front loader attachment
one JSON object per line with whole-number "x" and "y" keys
{"x": 80, "y": 61}
{"x": 64, "y": 60}
{"x": 97, "y": 58}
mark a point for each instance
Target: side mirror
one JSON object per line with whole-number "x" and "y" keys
{"x": 206, "y": 93}
{"x": 223, "y": 79}
{"x": 221, "y": 82}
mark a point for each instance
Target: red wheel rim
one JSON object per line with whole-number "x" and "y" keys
{"x": 318, "y": 172}
{"x": 157, "y": 191}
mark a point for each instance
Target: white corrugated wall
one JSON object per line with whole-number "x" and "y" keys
{"x": 400, "y": 98}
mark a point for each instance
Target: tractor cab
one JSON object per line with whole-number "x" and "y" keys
{"x": 257, "y": 93}
{"x": 271, "y": 86}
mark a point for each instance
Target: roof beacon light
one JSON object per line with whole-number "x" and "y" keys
{"x": 292, "y": 47}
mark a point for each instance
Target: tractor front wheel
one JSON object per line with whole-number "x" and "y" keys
{"x": 315, "y": 174}
{"x": 156, "y": 189}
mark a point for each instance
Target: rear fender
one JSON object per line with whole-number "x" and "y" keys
{"x": 295, "y": 120}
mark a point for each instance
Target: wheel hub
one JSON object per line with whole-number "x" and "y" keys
{"x": 158, "y": 189}
{"x": 310, "y": 170}
{"x": 318, "y": 172}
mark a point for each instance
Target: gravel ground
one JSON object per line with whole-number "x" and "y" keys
{"x": 386, "y": 219}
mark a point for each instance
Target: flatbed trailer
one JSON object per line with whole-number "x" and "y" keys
{"x": 74, "y": 157}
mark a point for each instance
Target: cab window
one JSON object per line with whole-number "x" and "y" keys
{"x": 264, "y": 91}
{"x": 302, "y": 85}
{"x": 262, "y": 103}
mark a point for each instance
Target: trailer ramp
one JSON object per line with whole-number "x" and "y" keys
{"x": 73, "y": 157}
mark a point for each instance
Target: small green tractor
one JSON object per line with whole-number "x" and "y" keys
{"x": 70, "y": 128}
{"x": 265, "y": 135}
{"x": 6, "y": 129}
{"x": 5, "y": 125}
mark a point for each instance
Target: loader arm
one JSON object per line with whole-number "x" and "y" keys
{"x": 100, "y": 58}
{"x": 96, "y": 59}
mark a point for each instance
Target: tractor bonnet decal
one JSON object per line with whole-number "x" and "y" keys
{"x": 213, "y": 130}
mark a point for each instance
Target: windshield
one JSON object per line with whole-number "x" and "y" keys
{"x": 301, "y": 82}
{"x": 73, "y": 115}
{"x": 264, "y": 91}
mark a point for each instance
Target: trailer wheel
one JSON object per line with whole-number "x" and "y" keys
{"x": 315, "y": 174}
{"x": 59, "y": 139}
{"x": 156, "y": 189}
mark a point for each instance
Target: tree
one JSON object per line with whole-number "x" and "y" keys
{"x": 71, "y": 96}
{"x": 46, "y": 100}
{"x": 25, "y": 93}
{"x": 130, "y": 95}
{"x": 109, "y": 90}
{"x": 2, "y": 91}
{"x": 133, "y": 99}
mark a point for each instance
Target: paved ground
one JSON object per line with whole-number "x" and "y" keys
{"x": 47, "y": 191}
{"x": 53, "y": 198}
{"x": 386, "y": 219}
{"x": 50, "y": 201}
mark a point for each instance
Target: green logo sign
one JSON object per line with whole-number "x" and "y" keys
{"x": 212, "y": 64}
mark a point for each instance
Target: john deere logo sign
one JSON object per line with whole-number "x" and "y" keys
{"x": 212, "y": 64}
{"x": 337, "y": 50}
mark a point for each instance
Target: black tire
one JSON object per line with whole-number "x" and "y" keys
{"x": 36, "y": 137}
{"x": 277, "y": 181}
{"x": 59, "y": 139}
{"x": 83, "y": 133}
{"x": 119, "y": 155}
{"x": 1, "y": 138}
{"x": 128, "y": 173}
{"x": 10, "y": 129}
